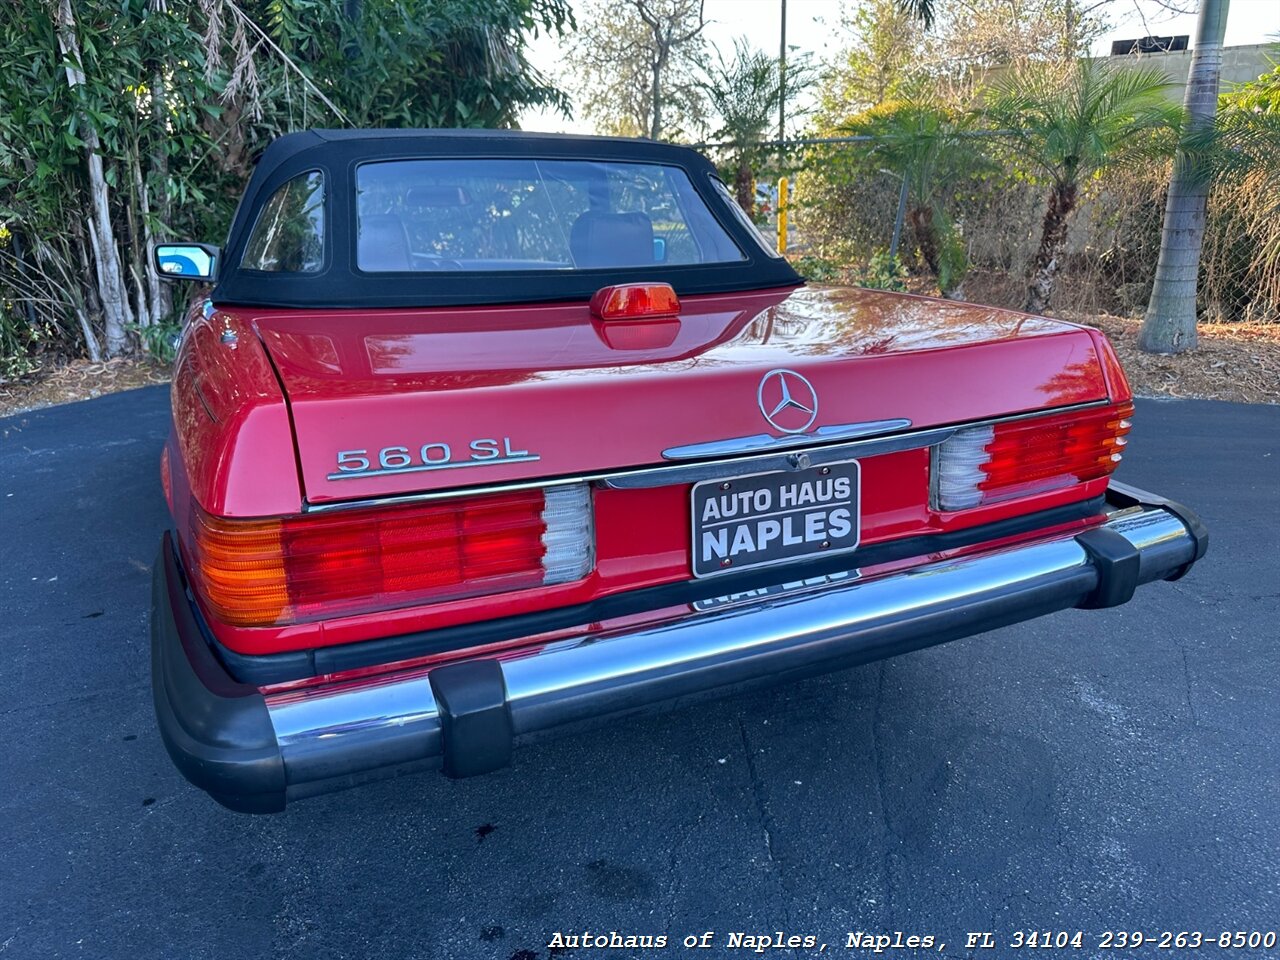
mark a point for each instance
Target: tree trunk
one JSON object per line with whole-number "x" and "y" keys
{"x": 1053, "y": 242}
{"x": 1170, "y": 323}
{"x": 782, "y": 76}
{"x": 745, "y": 186}
{"x": 92, "y": 304}
{"x": 655, "y": 98}
{"x": 228, "y": 131}
{"x": 134, "y": 244}
{"x": 151, "y": 306}
{"x": 111, "y": 287}
{"x": 161, "y": 293}
{"x": 925, "y": 232}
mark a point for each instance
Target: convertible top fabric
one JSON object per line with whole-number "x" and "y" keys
{"x": 337, "y": 153}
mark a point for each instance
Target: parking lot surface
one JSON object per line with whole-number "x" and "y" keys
{"x": 1092, "y": 771}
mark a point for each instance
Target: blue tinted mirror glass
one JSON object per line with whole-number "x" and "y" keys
{"x": 185, "y": 261}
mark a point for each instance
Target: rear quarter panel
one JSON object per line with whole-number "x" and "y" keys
{"x": 232, "y": 441}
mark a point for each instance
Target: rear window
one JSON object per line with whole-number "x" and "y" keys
{"x": 525, "y": 214}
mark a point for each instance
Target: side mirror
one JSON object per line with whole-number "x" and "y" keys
{"x": 659, "y": 250}
{"x": 187, "y": 261}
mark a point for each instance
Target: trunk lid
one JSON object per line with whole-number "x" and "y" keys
{"x": 403, "y": 401}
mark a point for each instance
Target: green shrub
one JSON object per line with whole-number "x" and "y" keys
{"x": 819, "y": 269}
{"x": 883, "y": 273}
{"x": 160, "y": 340}
{"x": 17, "y": 341}
{"x": 953, "y": 258}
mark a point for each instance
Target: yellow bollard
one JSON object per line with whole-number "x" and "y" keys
{"x": 782, "y": 215}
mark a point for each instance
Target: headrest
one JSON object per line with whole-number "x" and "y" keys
{"x": 600, "y": 239}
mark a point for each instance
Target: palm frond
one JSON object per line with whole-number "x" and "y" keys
{"x": 1072, "y": 125}
{"x": 922, "y": 10}
{"x": 745, "y": 91}
{"x": 1238, "y": 144}
{"x": 919, "y": 139}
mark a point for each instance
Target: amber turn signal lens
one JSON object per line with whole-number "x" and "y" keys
{"x": 255, "y": 573}
{"x": 166, "y": 477}
{"x": 239, "y": 566}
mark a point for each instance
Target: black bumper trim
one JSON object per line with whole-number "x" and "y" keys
{"x": 1118, "y": 564}
{"x": 475, "y": 720}
{"x": 216, "y": 729}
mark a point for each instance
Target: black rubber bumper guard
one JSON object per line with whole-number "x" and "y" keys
{"x": 222, "y": 736}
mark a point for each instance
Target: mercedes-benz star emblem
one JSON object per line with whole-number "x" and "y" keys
{"x": 788, "y": 401}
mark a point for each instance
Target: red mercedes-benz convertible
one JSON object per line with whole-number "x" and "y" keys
{"x": 483, "y": 434}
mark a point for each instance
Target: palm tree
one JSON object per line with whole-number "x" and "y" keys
{"x": 1246, "y": 142}
{"x": 928, "y": 145}
{"x": 1071, "y": 129}
{"x": 922, "y": 10}
{"x": 1240, "y": 156}
{"x": 1170, "y": 323}
{"x": 745, "y": 94}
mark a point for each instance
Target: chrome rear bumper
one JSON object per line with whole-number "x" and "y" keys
{"x": 468, "y": 716}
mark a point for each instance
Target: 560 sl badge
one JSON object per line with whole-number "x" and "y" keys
{"x": 484, "y": 452}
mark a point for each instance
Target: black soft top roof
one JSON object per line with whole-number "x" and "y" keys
{"x": 336, "y": 153}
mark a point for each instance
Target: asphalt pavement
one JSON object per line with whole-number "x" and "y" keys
{"x": 1091, "y": 771}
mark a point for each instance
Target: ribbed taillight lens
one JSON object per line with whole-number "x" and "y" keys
{"x": 255, "y": 573}
{"x": 1001, "y": 461}
{"x": 627, "y": 301}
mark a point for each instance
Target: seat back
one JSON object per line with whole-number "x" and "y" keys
{"x": 384, "y": 243}
{"x": 599, "y": 239}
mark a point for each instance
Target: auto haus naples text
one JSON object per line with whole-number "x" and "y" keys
{"x": 782, "y": 516}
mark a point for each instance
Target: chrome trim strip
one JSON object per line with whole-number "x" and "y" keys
{"x": 744, "y": 466}
{"x": 452, "y": 493}
{"x": 673, "y": 473}
{"x": 765, "y": 441}
{"x": 327, "y": 732}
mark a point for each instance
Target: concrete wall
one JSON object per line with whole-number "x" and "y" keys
{"x": 1239, "y": 65}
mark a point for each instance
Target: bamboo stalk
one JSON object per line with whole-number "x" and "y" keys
{"x": 111, "y": 287}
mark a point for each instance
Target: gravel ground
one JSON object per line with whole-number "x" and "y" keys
{"x": 79, "y": 380}
{"x": 1235, "y": 361}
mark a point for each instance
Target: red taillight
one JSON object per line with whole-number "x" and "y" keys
{"x": 292, "y": 569}
{"x": 629, "y": 301}
{"x": 1018, "y": 458}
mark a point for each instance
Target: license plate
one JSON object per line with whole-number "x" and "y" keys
{"x": 776, "y": 517}
{"x": 776, "y": 590}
